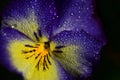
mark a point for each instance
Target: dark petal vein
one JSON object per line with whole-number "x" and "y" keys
{"x": 39, "y": 32}
{"x": 29, "y": 51}
{"x": 59, "y": 47}
{"x": 48, "y": 60}
{"x": 37, "y": 56}
{"x": 57, "y": 51}
{"x": 37, "y": 66}
{"x": 30, "y": 56}
{"x": 36, "y": 36}
{"x": 27, "y": 45}
{"x": 45, "y": 62}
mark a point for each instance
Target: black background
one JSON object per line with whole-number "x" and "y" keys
{"x": 109, "y": 67}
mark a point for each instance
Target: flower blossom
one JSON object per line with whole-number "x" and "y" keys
{"x": 41, "y": 41}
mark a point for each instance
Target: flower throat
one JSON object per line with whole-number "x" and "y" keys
{"x": 41, "y": 51}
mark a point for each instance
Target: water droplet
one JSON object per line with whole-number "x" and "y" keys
{"x": 79, "y": 17}
{"x": 97, "y": 52}
{"x": 4, "y": 34}
{"x": 65, "y": 22}
{"x": 71, "y": 14}
{"x": 43, "y": 20}
{"x": 64, "y": 25}
{"x": 32, "y": 7}
{"x": 53, "y": 18}
{"x": 76, "y": 3}
{"x": 52, "y": 3}
{"x": 55, "y": 14}
{"x": 51, "y": 11}
{"x": 49, "y": 6}
{"x": 82, "y": 0}
{"x": 72, "y": 5}
{"x": 35, "y": 0}
{"x": 87, "y": 8}
{"x": 12, "y": 26}
{"x": 79, "y": 7}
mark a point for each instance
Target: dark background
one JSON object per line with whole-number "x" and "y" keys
{"x": 109, "y": 67}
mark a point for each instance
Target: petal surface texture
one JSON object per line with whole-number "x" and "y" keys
{"x": 80, "y": 14}
{"x": 43, "y": 41}
{"x": 29, "y": 16}
{"x": 81, "y": 51}
{"x": 16, "y": 42}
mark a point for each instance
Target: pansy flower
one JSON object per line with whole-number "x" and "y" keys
{"x": 45, "y": 40}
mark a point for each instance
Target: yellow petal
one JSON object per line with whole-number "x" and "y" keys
{"x": 49, "y": 74}
{"x": 28, "y": 66}
{"x": 70, "y": 58}
{"x": 27, "y": 25}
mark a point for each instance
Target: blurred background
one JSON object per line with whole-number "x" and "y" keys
{"x": 109, "y": 66}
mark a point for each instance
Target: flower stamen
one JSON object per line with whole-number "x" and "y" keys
{"x": 41, "y": 51}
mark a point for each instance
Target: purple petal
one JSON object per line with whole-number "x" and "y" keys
{"x": 88, "y": 51}
{"x": 9, "y": 34}
{"x": 65, "y": 75}
{"x": 79, "y": 14}
{"x": 18, "y": 9}
{"x": 47, "y": 15}
{"x": 43, "y": 10}
{"x": 6, "y": 36}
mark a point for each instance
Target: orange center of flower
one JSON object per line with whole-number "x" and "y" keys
{"x": 40, "y": 51}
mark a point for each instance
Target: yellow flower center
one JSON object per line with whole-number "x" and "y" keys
{"x": 41, "y": 51}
